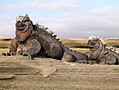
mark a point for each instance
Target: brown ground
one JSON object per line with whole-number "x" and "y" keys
{"x": 69, "y": 42}
{"x": 20, "y": 73}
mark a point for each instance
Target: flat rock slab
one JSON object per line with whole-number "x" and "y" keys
{"x": 20, "y": 73}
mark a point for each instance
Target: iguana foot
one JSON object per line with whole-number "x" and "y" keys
{"x": 8, "y": 54}
{"x": 85, "y": 61}
{"x": 110, "y": 62}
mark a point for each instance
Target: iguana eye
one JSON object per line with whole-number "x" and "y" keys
{"x": 18, "y": 21}
{"x": 24, "y": 20}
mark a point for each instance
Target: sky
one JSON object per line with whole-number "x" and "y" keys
{"x": 66, "y": 18}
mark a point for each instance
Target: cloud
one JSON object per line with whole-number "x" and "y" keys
{"x": 73, "y": 21}
{"x": 9, "y": 10}
{"x": 40, "y": 4}
{"x": 7, "y": 28}
{"x": 103, "y": 22}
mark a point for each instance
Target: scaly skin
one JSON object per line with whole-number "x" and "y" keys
{"x": 100, "y": 53}
{"x": 35, "y": 40}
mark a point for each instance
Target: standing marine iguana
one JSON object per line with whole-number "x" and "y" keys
{"x": 36, "y": 40}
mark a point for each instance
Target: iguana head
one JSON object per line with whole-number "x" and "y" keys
{"x": 93, "y": 42}
{"x": 24, "y": 27}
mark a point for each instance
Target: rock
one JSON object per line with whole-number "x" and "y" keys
{"x": 48, "y": 71}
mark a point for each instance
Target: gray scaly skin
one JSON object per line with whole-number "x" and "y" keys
{"x": 36, "y": 40}
{"x": 101, "y": 52}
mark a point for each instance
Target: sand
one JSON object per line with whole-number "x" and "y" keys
{"x": 20, "y": 73}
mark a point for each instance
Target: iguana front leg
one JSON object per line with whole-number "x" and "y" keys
{"x": 12, "y": 49}
{"x": 31, "y": 48}
{"x": 110, "y": 59}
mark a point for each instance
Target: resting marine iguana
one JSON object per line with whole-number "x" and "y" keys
{"x": 36, "y": 40}
{"x": 101, "y": 52}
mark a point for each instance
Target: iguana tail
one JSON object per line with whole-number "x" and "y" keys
{"x": 72, "y": 55}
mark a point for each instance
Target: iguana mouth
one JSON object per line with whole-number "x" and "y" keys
{"x": 22, "y": 27}
{"x": 91, "y": 44}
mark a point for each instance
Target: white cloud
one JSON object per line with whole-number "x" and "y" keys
{"x": 101, "y": 21}
{"x": 7, "y": 29}
{"x": 40, "y": 4}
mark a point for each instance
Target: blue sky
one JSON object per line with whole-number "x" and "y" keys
{"x": 67, "y": 18}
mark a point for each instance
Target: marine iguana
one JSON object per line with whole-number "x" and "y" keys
{"x": 101, "y": 52}
{"x": 33, "y": 39}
